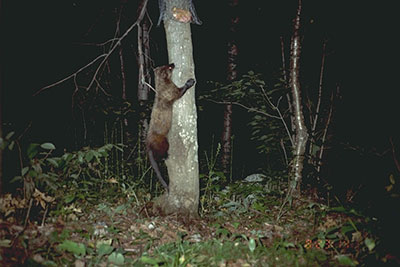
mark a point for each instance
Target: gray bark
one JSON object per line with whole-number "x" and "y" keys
{"x": 182, "y": 162}
{"x": 301, "y": 135}
{"x": 144, "y": 77}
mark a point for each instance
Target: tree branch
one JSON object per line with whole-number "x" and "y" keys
{"x": 250, "y": 109}
{"x": 275, "y": 107}
{"x": 116, "y": 42}
{"x": 321, "y": 76}
{"x": 328, "y": 122}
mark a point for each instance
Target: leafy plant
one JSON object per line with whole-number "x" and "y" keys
{"x": 7, "y": 141}
{"x": 270, "y": 116}
{"x": 71, "y": 177}
{"x": 78, "y": 249}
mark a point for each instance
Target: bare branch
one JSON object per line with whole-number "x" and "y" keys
{"x": 70, "y": 76}
{"x": 250, "y": 109}
{"x": 102, "y": 89}
{"x": 321, "y": 76}
{"x": 116, "y": 42}
{"x": 151, "y": 87}
{"x": 328, "y": 122}
{"x": 275, "y": 107}
{"x": 284, "y": 151}
{"x": 98, "y": 44}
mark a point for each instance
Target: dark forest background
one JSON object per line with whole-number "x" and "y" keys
{"x": 45, "y": 41}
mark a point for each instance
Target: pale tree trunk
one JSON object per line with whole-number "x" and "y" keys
{"x": 301, "y": 135}
{"x": 287, "y": 85}
{"x": 231, "y": 76}
{"x": 182, "y": 162}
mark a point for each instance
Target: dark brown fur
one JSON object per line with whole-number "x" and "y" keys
{"x": 161, "y": 116}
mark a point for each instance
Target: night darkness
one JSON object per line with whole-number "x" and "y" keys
{"x": 41, "y": 43}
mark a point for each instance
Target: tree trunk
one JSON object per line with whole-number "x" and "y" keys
{"x": 315, "y": 116}
{"x": 143, "y": 90}
{"x": 182, "y": 162}
{"x": 226, "y": 139}
{"x": 146, "y": 25}
{"x": 287, "y": 85}
{"x": 143, "y": 78}
{"x": 301, "y": 135}
{"x": 231, "y": 76}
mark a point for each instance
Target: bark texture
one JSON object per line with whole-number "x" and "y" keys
{"x": 182, "y": 162}
{"x": 144, "y": 77}
{"x": 301, "y": 135}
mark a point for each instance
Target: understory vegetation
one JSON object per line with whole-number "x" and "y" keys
{"x": 75, "y": 210}
{"x": 291, "y": 126}
{"x": 93, "y": 206}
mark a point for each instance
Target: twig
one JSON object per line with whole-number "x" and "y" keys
{"x": 28, "y": 212}
{"x": 98, "y": 44}
{"x": 275, "y": 107}
{"x": 45, "y": 213}
{"x": 118, "y": 43}
{"x": 84, "y": 124}
{"x": 284, "y": 152}
{"x": 70, "y": 76}
{"x": 115, "y": 43}
{"x": 328, "y": 121}
{"x": 284, "y": 64}
{"x": 101, "y": 88}
{"x": 321, "y": 76}
{"x": 151, "y": 87}
{"x": 25, "y": 223}
{"x": 250, "y": 109}
{"x": 314, "y": 120}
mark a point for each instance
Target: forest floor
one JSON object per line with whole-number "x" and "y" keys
{"x": 125, "y": 232}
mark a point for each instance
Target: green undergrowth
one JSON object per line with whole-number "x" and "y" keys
{"x": 127, "y": 234}
{"x": 85, "y": 213}
{"x": 219, "y": 252}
